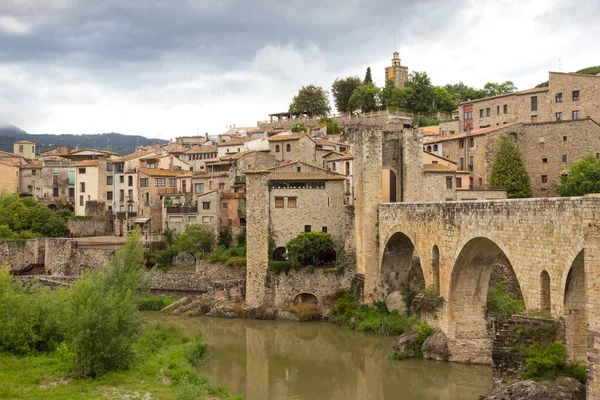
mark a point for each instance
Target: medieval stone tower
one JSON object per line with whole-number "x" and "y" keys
{"x": 397, "y": 72}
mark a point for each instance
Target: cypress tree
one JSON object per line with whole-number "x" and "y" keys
{"x": 368, "y": 78}
{"x": 508, "y": 170}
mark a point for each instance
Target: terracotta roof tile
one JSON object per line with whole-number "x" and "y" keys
{"x": 201, "y": 150}
{"x": 305, "y": 176}
{"x": 161, "y": 172}
{"x": 133, "y": 156}
{"x": 285, "y": 136}
{"x": 87, "y": 163}
{"x": 477, "y": 132}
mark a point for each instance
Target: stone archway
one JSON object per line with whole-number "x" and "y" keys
{"x": 435, "y": 267}
{"x": 278, "y": 254}
{"x": 401, "y": 274}
{"x": 469, "y": 284}
{"x": 575, "y": 315}
{"x": 306, "y": 298}
{"x": 545, "y": 304}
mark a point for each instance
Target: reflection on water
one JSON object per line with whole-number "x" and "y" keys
{"x": 285, "y": 360}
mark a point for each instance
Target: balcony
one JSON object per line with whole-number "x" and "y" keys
{"x": 183, "y": 210}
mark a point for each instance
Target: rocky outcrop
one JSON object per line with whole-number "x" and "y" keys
{"x": 562, "y": 388}
{"x": 407, "y": 344}
{"x": 435, "y": 346}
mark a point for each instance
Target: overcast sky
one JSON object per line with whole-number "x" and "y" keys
{"x": 166, "y": 68}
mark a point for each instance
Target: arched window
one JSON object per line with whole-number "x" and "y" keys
{"x": 429, "y": 149}
{"x": 435, "y": 147}
{"x": 277, "y": 149}
{"x": 130, "y": 180}
{"x": 288, "y": 147}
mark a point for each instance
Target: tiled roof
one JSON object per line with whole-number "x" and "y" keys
{"x": 96, "y": 150}
{"x": 25, "y": 142}
{"x": 297, "y": 162}
{"x": 235, "y": 156}
{"x": 161, "y": 172}
{"x": 330, "y": 142}
{"x": 285, "y": 136}
{"x": 201, "y": 150}
{"x": 518, "y": 93}
{"x": 436, "y": 168}
{"x": 133, "y": 156}
{"x": 87, "y": 163}
{"x": 340, "y": 158}
{"x": 32, "y": 166}
{"x": 7, "y": 154}
{"x": 304, "y": 176}
{"x": 477, "y": 132}
{"x": 232, "y": 142}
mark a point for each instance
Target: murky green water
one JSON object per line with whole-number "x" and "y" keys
{"x": 285, "y": 360}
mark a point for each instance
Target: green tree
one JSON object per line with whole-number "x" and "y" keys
{"x": 310, "y": 248}
{"x": 365, "y": 98}
{"x": 312, "y": 100}
{"x": 102, "y": 319}
{"x": 443, "y": 99}
{"x": 342, "y": 90}
{"x": 225, "y": 236}
{"x": 583, "y": 178}
{"x": 421, "y": 99}
{"x": 195, "y": 239}
{"x": 462, "y": 92}
{"x": 387, "y": 93}
{"x": 299, "y": 127}
{"x": 495, "y": 89}
{"x": 332, "y": 127}
{"x": 368, "y": 78}
{"x": 508, "y": 170}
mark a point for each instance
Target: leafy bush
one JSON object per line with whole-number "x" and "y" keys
{"x": 501, "y": 304}
{"x": 583, "y": 178}
{"x": 304, "y": 311}
{"x": 311, "y": 248}
{"x": 549, "y": 362}
{"x": 195, "y": 239}
{"x": 25, "y": 218}
{"x": 241, "y": 239}
{"x": 197, "y": 351}
{"x": 225, "y": 237}
{"x": 236, "y": 262}
{"x": 148, "y": 303}
{"x": 508, "y": 170}
{"x": 278, "y": 267}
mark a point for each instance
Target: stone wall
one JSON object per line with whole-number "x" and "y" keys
{"x": 97, "y": 226}
{"x": 206, "y": 271}
{"x": 320, "y": 283}
{"x": 17, "y": 255}
{"x": 62, "y": 258}
{"x": 482, "y": 194}
{"x": 185, "y": 284}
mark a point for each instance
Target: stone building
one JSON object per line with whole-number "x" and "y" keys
{"x": 548, "y": 149}
{"x": 291, "y": 147}
{"x": 9, "y": 177}
{"x": 398, "y": 73}
{"x": 198, "y": 155}
{"x": 60, "y": 150}
{"x": 125, "y": 181}
{"x": 93, "y": 182}
{"x": 28, "y": 175}
{"x": 24, "y": 148}
{"x": 569, "y": 96}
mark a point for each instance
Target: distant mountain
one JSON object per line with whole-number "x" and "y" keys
{"x": 123, "y": 144}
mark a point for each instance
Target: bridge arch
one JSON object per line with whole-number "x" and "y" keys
{"x": 469, "y": 284}
{"x": 574, "y": 310}
{"x": 306, "y": 298}
{"x": 545, "y": 292}
{"x": 400, "y": 270}
{"x": 435, "y": 267}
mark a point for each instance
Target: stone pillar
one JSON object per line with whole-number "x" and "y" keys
{"x": 367, "y": 186}
{"x": 591, "y": 252}
{"x": 412, "y": 164}
{"x": 257, "y": 234}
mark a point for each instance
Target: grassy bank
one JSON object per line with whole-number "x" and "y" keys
{"x": 164, "y": 369}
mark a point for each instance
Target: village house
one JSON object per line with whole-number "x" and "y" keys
{"x": 196, "y": 156}
{"x": 291, "y": 147}
{"x": 93, "y": 183}
{"x": 24, "y": 148}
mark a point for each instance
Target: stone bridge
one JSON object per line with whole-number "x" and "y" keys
{"x": 552, "y": 245}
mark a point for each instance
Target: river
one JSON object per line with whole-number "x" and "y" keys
{"x": 315, "y": 360}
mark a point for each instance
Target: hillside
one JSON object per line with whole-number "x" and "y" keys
{"x": 123, "y": 144}
{"x": 588, "y": 71}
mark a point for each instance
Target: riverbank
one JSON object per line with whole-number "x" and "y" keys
{"x": 165, "y": 368}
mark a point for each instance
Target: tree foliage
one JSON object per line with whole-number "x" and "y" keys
{"x": 368, "y": 77}
{"x": 583, "y": 178}
{"x": 387, "y": 93}
{"x": 342, "y": 89}
{"x": 311, "y": 248}
{"x": 195, "y": 239}
{"x": 495, "y": 89}
{"x": 299, "y": 127}
{"x": 508, "y": 170}
{"x": 332, "y": 127}
{"x": 312, "y": 100}
{"x": 26, "y": 218}
{"x": 365, "y": 98}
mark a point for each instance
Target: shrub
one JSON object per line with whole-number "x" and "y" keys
{"x": 241, "y": 239}
{"x": 311, "y": 248}
{"x": 225, "y": 237}
{"x": 501, "y": 304}
{"x": 196, "y": 352}
{"x": 277, "y": 267}
{"x": 304, "y": 311}
{"x": 549, "y": 362}
{"x": 148, "y": 303}
{"x": 195, "y": 239}
{"x": 236, "y": 262}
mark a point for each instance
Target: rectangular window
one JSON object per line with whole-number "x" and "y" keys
{"x": 505, "y": 109}
{"x": 82, "y": 170}
{"x": 33, "y": 172}
{"x": 122, "y": 195}
{"x": 279, "y": 202}
{"x": 461, "y": 144}
{"x": 534, "y": 103}
{"x": 564, "y": 158}
{"x": 159, "y": 182}
{"x": 576, "y": 114}
{"x": 544, "y": 160}
{"x": 324, "y": 229}
{"x": 480, "y": 182}
{"x": 461, "y": 164}
{"x": 199, "y": 188}
{"x": 488, "y": 112}
{"x": 172, "y": 182}
{"x": 191, "y": 218}
{"x": 109, "y": 180}
{"x": 205, "y": 219}
{"x": 471, "y": 142}
{"x": 82, "y": 187}
{"x": 55, "y": 192}
{"x": 291, "y": 202}
{"x": 575, "y": 95}
{"x": 20, "y": 148}
{"x": 497, "y": 110}
{"x": 109, "y": 195}
{"x": 143, "y": 182}
{"x": 458, "y": 183}
{"x": 481, "y": 113}
{"x": 81, "y": 200}
{"x": 122, "y": 179}
{"x": 558, "y": 116}
{"x": 221, "y": 186}
{"x": 55, "y": 178}
{"x": 558, "y": 97}
{"x": 564, "y": 138}
{"x": 544, "y": 178}
{"x": 448, "y": 182}
{"x": 224, "y": 205}
{"x": 206, "y": 205}
{"x": 109, "y": 166}
{"x": 306, "y": 228}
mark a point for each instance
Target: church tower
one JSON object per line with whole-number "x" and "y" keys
{"x": 397, "y": 72}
